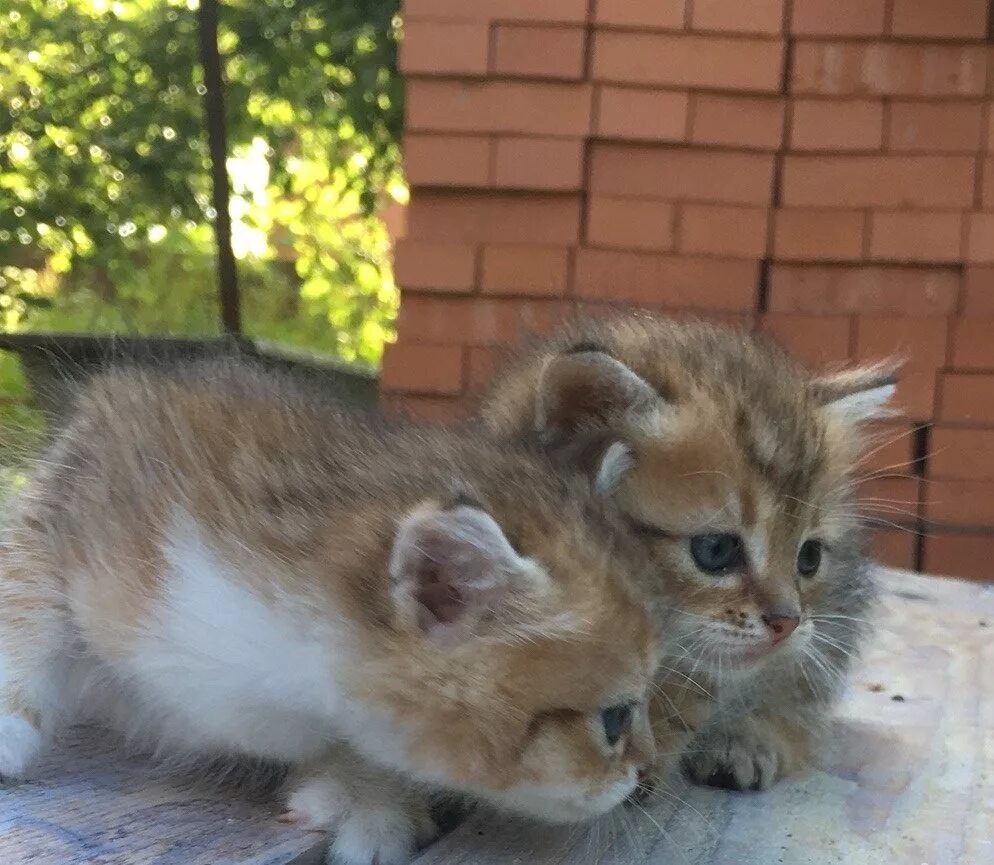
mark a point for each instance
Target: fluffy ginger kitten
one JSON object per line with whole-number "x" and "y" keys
{"x": 736, "y": 467}
{"x": 216, "y": 562}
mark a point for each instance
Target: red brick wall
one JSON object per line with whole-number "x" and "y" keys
{"x": 821, "y": 169}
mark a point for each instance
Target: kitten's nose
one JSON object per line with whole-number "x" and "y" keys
{"x": 781, "y": 627}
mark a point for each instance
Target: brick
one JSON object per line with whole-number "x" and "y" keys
{"x": 967, "y": 397}
{"x": 980, "y": 238}
{"x": 838, "y": 17}
{"x": 434, "y": 266}
{"x": 888, "y": 69}
{"x": 734, "y": 16}
{"x": 444, "y": 47}
{"x": 688, "y": 60}
{"x": 938, "y": 19}
{"x": 637, "y": 114}
{"x": 447, "y": 160}
{"x": 423, "y": 409}
{"x": 510, "y": 107}
{"x": 934, "y": 127}
{"x": 735, "y": 232}
{"x": 845, "y": 125}
{"x": 876, "y": 290}
{"x": 961, "y": 454}
{"x": 922, "y": 341}
{"x": 978, "y": 290}
{"x": 524, "y": 270}
{"x": 565, "y": 11}
{"x": 973, "y": 347}
{"x": 890, "y": 500}
{"x": 889, "y": 447}
{"x": 427, "y": 369}
{"x": 483, "y": 364}
{"x": 667, "y": 14}
{"x": 737, "y": 121}
{"x": 916, "y": 395}
{"x": 878, "y": 181}
{"x": 630, "y": 223}
{"x": 393, "y": 215}
{"x": 967, "y": 503}
{"x": 681, "y": 173}
{"x": 666, "y": 280}
{"x": 539, "y": 51}
{"x": 905, "y": 236}
{"x": 987, "y": 189}
{"x": 817, "y": 234}
{"x": 539, "y": 163}
{"x": 814, "y": 340}
{"x": 477, "y": 321}
{"x": 960, "y": 555}
{"x": 495, "y": 217}
{"x": 894, "y": 548}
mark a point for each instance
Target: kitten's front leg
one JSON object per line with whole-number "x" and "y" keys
{"x": 750, "y": 752}
{"x": 677, "y": 710}
{"x": 374, "y": 816}
{"x": 33, "y": 640}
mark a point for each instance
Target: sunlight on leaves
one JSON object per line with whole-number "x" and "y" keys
{"x": 105, "y": 208}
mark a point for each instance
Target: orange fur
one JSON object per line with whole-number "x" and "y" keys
{"x": 723, "y": 434}
{"x": 183, "y": 521}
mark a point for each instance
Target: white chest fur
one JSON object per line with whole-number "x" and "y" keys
{"x": 222, "y": 667}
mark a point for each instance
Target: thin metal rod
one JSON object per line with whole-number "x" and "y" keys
{"x": 227, "y": 273}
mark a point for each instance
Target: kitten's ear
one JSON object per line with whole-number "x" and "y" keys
{"x": 858, "y": 394}
{"x": 612, "y": 465}
{"x": 452, "y": 569}
{"x": 587, "y": 387}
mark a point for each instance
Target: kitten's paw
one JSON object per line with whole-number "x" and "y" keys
{"x": 748, "y": 759}
{"x": 319, "y": 803}
{"x": 369, "y": 827}
{"x": 384, "y": 833}
{"x": 20, "y": 743}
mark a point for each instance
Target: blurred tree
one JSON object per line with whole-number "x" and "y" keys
{"x": 104, "y": 184}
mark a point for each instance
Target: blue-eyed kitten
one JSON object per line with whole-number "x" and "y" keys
{"x": 219, "y": 563}
{"x": 736, "y": 468}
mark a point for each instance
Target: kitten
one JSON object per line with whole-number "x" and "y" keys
{"x": 736, "y": 468}
{"x": 216, "y": 562}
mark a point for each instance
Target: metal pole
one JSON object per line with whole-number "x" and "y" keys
{"x": 210, "y": 59}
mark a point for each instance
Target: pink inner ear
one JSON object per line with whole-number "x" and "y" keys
{"x": 439, "y": 601}
{"x": 452, "y": 567}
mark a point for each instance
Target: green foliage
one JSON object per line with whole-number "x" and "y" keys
{"x": 21, "y": 427}
{"x": 104, "y": 188}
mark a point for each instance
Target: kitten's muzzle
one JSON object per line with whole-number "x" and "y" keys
{"x": 644, "y": 789}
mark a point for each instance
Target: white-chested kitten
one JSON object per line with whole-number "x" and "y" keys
{"x": 218, "y": 562}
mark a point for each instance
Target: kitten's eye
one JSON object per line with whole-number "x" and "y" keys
{"x": 715, "y": 554}
{"x": 617, "y": 721}
{"x": 809, "y": 558}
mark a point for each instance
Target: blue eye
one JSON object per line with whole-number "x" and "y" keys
{"x": 617, "y": 721}
{"x": 715, "y": 554}
{"x": 809, "y": 558}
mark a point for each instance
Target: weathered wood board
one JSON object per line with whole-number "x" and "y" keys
{"x": 909, "y": 779}
{"x": 88, "y": 805}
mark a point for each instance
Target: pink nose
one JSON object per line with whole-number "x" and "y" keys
{"x": 781, "y": 627}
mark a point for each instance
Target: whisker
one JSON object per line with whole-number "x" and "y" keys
{"x": 880, "y": 445}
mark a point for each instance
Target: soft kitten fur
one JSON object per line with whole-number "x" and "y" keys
{"x": 721, "y": 432}
{"x": 215, "y": 561}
